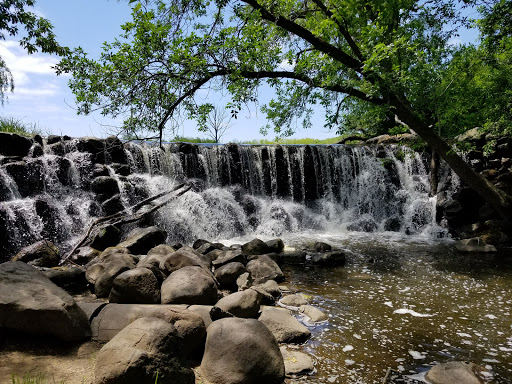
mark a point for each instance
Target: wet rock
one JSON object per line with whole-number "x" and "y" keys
{"x": 190, "y": 285}
{"x": 36, "y": 150}
{"x": 291, "y": 257}
{"x": 296, "y": 363}
{"x": 315, "y": 315}
{"x": 392, "y": 224}
{"x": 329, "y": 259}
{"x": 53, "y": 226}
{"x": 244, "y": 304}
{"x": 206, "y": 248}
{"x": 241, "y": 351}
{"x": 227, "y": 275}
{"x": 99, "y": 170}
{"x": 255, "y": 247}
{"x": 364, "y": 224}
{"x": 114, "y": 149}
{"x": 284, "y": 327}
{"x": 454, "y": 372}
{"x": 322, "y": 247}
{"x": 146, "y": 349}
{"x": 263, "y": 268}
{"x": 93, "y": 146}
{"x": 105, "y": 236}
{"x": 112, "y": 205}
{"x": 41, "y": 254}
{"x": 294, "y": 300}
{"x": 71, "y": 279}
{"x": 56, "y": 149}
{"x": 275, "y": 245}
{"x": 111, "y": 250}
{"x": 12, "y": 144}
{"x": 136, "y": 286}
{"x": 141, "y": 240}
{"x": 121, "y": 169}
{"x": 30, "y": 302}
{"x": 27, "y": 176}
{"x": 474, "y": 245}
{"x": 105, "y": 187}
{"x": 215, "y": 254}
{"x": 199, "y": 242}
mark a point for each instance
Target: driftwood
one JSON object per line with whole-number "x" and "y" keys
{"x": 125, "y": 217}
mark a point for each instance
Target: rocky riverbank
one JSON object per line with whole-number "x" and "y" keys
{"x": 167, "y": 308}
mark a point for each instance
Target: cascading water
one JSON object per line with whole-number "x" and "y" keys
{"x": 239, "y": 190}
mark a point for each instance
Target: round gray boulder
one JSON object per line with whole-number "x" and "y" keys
{"x": 144, "y": 349}
{"x": 136, "y": 286}
{"x": 263, "y": 268}
{"x": 190, "y": 285}
{"x": 241, "y": 351}
{"x": 241, "y": 304}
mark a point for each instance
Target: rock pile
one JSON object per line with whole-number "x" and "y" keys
{"x": 167, "y": 308}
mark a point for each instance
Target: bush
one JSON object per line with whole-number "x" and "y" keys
{"x": 13, "y": 125}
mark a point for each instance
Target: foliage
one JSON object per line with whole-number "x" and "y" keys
{"x": 37, "y": 35}
{"x": 185, "y": 139}
{"x": 30, "y": 379}
{"x": 13, "y": 125}
{"x": 372, "y": 51}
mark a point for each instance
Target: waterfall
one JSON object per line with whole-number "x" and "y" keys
{"x": 238, "y": 190}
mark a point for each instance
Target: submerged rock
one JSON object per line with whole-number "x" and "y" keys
{"x": 296, "y": 363}
{"x": 475, "y": 245}
{"x": 454, "y": 372}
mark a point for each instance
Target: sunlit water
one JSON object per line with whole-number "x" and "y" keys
{"x": 404, "y": 303}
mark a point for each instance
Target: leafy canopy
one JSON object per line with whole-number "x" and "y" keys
{"x": 37, "y": 35}
{"x": 311, "y": 52}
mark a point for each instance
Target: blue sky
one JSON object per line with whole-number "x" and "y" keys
{"x": 44, "y": 99}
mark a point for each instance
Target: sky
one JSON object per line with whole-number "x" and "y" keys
{"x": 44, "y": 99}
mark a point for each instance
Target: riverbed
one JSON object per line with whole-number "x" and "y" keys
{"x": 405, "y": 303}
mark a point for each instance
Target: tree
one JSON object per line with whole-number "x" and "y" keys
{"x": 217, "y": 123}
{"x": 38, "y": 35}
{"x": 370, "y": 50}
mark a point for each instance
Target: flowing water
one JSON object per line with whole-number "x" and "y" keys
{"x": 404, "y": 300}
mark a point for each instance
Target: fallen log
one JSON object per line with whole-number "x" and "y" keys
{"x": 130, "y": 214}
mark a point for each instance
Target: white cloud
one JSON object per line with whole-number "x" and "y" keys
{"x": 33, "y": 74}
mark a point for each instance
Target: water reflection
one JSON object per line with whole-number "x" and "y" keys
{"x": 406, "y": 304}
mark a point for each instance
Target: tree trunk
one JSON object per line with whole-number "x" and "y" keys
{"x": 499, "y": 200}
{"x": 434, "y": 170}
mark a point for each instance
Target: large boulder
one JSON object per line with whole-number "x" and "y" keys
{"x": 241, "y": 304}
{"x": 40, "y": 254}
{"x": 141, "y": 240}
{"x": 454, "y": 372}
{"x": 105, "y": 186}
{"x": 241, "y": 351}
{"x": 232, "y": 256}
{"x": 190, "y": 285}
{"x": 30, "y": 302}
{"x": 12, "y": 144}
{"x": 184, "y": 257}
{"x": 137, "y": 286}
{"x": 145, "y": 352}
{"x": 284, "y": 327}
{"x": 255, "y": 247}
{"x": 105, "y": 236}
{"x": 114, "y": 317}
{"x": 263, "y": 268}
{"x": 162, "y": 249}
{"x": 275, "y": 245}
{"x": 71, "y": 279}
{"x": 227, "y": 274}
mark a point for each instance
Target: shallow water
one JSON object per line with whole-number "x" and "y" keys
{"x": 405, "y": 303}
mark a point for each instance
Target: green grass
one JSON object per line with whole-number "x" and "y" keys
{"x": 28, "y": 379}
{"x": 191, "y": 140}
{"x": 332, "y": 140}
{"x": 14, "y": 125}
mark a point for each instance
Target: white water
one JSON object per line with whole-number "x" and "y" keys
{"x": 240, "y": 191}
